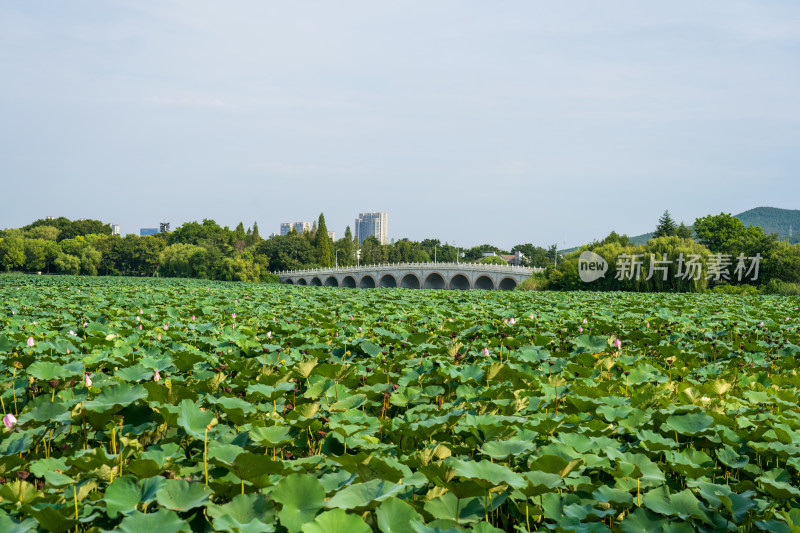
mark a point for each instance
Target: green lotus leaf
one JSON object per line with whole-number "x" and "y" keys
{"x": 125, "y": 493}
{"x": 162, "y": 521}
{"x": 271, "y": 436}
{"x": 461, "y": 511}
{"x": 193, "y": 420}
{"x": 245, "y": 513}
{"x": 395, "y": 516}
{"x": 643, "y": 521}
{"x": 488, "y": 473}
{"x": 336, "y": 521}
{"x": 682, "y": 504}
{"x": 503, "y": 449}
{"x": 8, "y": 525}
{"x": 777, "y": 483}
{"x": 730, "y": 458}
{"x": 302, "y": 496}
{"x": 116, "y": 396}
{"x": 591, "y": 344}
{"x": 180, "y": 495}
{"x": 48, "y": 370}
{"x": 361, "y": 495}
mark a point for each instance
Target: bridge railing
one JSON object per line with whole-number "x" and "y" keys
{"x": 460, "y": 266}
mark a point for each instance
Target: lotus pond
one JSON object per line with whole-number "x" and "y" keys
{"x": 182, "y": 405}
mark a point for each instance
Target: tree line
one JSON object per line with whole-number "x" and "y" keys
{"x": 209, "y": 251}
{"x": 714, "y": 239}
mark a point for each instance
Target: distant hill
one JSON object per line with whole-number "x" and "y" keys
{"x": 770, "y": 219}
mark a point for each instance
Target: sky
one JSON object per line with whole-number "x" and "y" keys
{"x": 473, "y": 122}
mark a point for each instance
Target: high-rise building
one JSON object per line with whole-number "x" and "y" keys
{"x": 301, "y": 227}
{"x": 375, "y": 224}
{"x": 114, "y": 229}
{"x": 332, "y": 235}
{"x": 143, "y": 232}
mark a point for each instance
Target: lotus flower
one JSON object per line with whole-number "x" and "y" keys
{"x": 165, "y": 327}
{"x": 269, "y": 334}
{"x": 486, "y": 352}
{"x": 71, "y": 332}
{"x": 9, "y": 421}
{"x": 359, "y": 329}
{"x": 580, "y": 329}
{"x": 140, "y": 326}
{"x": 30, "y": 342}
{"x": 233, "y": 315}
{"x": 584, "y": 320}
{"x": 156, "y": 376}
{"x": 192, "y": 317}
{"x": 617, "y": 344}
{"x": 159, "y": 336}
{"x": 87, "y": 380}
{"x": 141, "y": 312}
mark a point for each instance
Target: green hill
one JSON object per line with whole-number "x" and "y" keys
{"x": 770, "y": 219}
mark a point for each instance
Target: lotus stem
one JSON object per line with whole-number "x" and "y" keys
{"x": 75, "y": 498}
{"x": 205, "y": 455}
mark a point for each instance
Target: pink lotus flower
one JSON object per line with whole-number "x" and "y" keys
{"x": 165, "y": 327}
{"x": 141, "y": 312}
{"x": 156, "y": 376}
{"x": 531, "y": 316}
{"x": 192, "y": 317}
{"x": 647, "y": 324}
{"x": 71, "y": 332}
{"x": 30, "y": 342}
{"x": 159, "y": 336}
{"x": 34, "y": 322}
{"x": 486, "y": 352}
{"x": 359, "y": 329}
{"x": 233, "y": 315}
{"x": 269, "y": 334}
{"x": 512, "y": 321}
{"x": 584, "y": 320}
{"x": 87, "y": 380}
{"x": 580, "y": 329}
{"x": 10, "y": 421}
{"x": 140, "y": 326}
{"x": 617, "y": 344}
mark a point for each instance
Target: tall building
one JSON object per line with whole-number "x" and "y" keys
{"x": 143, "y": 232}
{"x": 332, "y": 235}
{"x": 114, "y": 229}
{"x": 376, "y": 224}
{"x": 286, "y": 227}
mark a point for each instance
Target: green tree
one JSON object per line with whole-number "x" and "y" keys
{"x": 493, "y": 260}
{"x": 12, "y": 252}
{"x": 683, "y": 231}
{"x": 324, "y": 248}
{"x": 346, "y": 256}
{"x": 666, "y": 226}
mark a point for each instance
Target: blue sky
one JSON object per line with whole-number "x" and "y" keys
{"x": 472, "y": 122}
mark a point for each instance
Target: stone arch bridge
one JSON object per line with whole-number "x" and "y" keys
{"x": 452, "y": 276}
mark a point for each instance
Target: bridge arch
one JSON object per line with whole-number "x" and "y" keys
{"x": 367, "y": 282}
{"x": 507, "y": 284}
{"x": 302, "y": 281}
{"x": 410, "y": 281}
{"x": 388, "y": 281}
{"x": 316, "y": 282}
{"x": 459, "y": 282}
{"x": 435, "y": 281}
{"x": 349, "y": 281}
{"x": 331, "y": 282}
{"x": 289, "y": 281}
{"x": 484, "y": 283}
